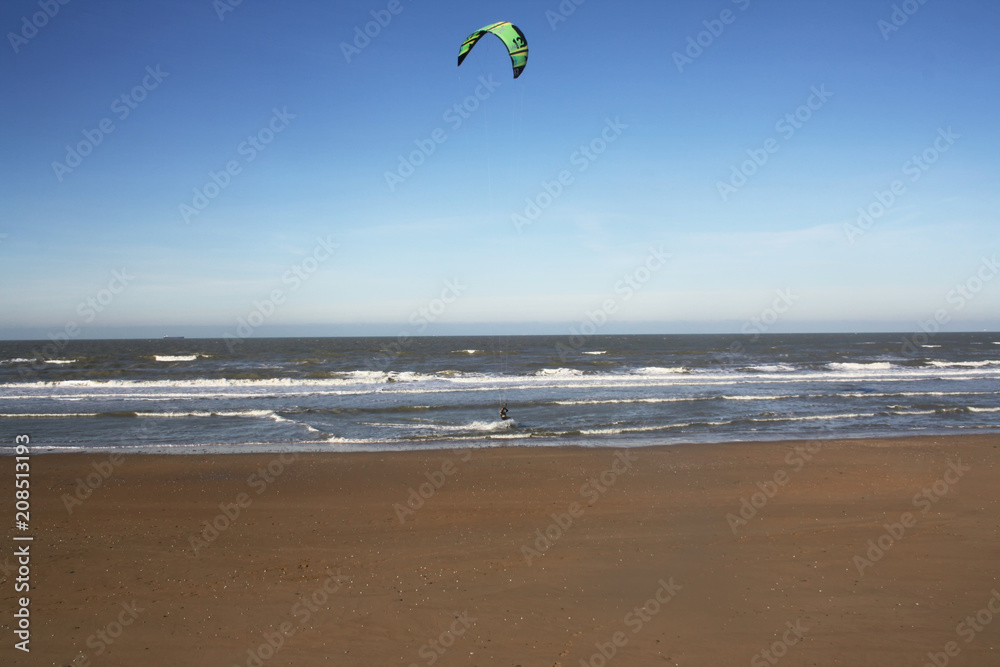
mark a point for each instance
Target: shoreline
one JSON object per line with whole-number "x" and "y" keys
{"x": 479, "y": 445}
{"x": 519, "y": 555}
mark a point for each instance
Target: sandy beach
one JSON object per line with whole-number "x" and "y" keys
{"x": 846, "y": 552}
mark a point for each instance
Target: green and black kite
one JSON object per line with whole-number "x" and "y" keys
{"x": 512, "y": 38}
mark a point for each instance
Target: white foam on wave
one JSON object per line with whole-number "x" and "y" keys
{"x": 618, "y": 401}
{"x": 971, "y": 409}
{"x": 60, "y": 362}
{"x": 558, "y": 372}
{"x": 337, "y": 440}
{"x": 349, "y": 379}
{"x": 671, "y": 399}
{"x": 365, "y": 376}
{"x": 596, "y": 352}
{"x": 660, "y": 370}
{"x": 410, "y": 376}
{"x": 906, "y": 393}
{"x": 866, "y": 366}
{"x": 162, "y": 390}
{"x": 49, "y": 415}
{"x": 450, "y": 373}
{"x": 18, "y": 360}
{"x": 168, "y": 357}
{"x": 625, "y": 430}
{"x": 622, "y": 430}
{"x": 378, "y": 377}
{"x": 513, "y": 435}
{"x": 848, "y": 415}
{"x": 753, "y": 397}
{"x": 205, "y": 413}
{"x": 151, "y": 397}
{"x": 965, "y": 364}
{"x": 481, "y": 426}
{"x": 285, "y": 420}
{"x": 155, "y": 391}
{"x": 468, "y": 351}
{"x": 364, "y": 382}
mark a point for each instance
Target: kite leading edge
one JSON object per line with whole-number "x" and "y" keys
{"x": 512, "y": 38}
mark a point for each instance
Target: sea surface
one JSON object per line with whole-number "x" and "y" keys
{"x": 347, "y": 394}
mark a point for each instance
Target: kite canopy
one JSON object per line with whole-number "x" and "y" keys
{"x": 512, "y": 38}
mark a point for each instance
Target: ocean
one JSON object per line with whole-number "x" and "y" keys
{"x": 196, "y": 396}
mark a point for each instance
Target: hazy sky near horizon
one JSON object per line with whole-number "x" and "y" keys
{"x": 179, "y": 166}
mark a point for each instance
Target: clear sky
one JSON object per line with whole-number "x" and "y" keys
{"x": 173, "y": 166}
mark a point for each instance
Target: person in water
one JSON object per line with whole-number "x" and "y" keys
{"x": 503, "y": 412}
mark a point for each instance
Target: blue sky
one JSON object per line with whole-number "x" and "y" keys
{"x": 309, "y": 118}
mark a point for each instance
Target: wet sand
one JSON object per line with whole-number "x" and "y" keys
{"x": 846, "y": 552}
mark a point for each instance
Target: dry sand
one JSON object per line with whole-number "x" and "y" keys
{"x": 319, "y": 561}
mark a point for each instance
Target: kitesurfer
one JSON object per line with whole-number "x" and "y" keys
{"x": 503, "y": 412}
